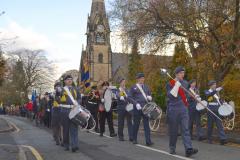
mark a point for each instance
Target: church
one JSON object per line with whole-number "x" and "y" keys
{"x": 97, "y": 55}
{"x": 97, "y": 58}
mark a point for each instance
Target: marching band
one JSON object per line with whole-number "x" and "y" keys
{"x": 137, "y": 104}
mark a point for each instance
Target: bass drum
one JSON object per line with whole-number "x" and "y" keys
{"x": 108, "y": 100}
{"x": 200, "y": 108}
{"x": 226, "y": 111}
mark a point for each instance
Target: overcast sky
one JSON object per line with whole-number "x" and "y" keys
{"x": 57, "y": 26}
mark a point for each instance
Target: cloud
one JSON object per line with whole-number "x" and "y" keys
{"x": 25, "y": 37}
{"x": 61, "y": 50}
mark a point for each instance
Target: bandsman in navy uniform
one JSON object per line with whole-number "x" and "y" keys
{"x": 93, "y": 101}
{"x": 122, "y": 103}
{"x": 177, "y": 113}
{"x": 213, "y": 98}
{"x": 66, "y": 105}
{"x": 139, "y": 96}
{"x": 194, "y": 114}
{"x": 56, "y": 117}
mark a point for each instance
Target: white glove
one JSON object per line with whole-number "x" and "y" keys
{"x": 82, "y": 95}
{"x": 199, "y": 98}
{"x": 219, "y": 89}
{"x": 175, "y": 89}
{"x": 138, "y": 106}
{"x": 149, "y": 98}
{"x": 102, "y": 100}
{"x": 122, "y": 98}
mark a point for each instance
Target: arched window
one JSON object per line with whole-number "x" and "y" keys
{"x": 100, "y": 58}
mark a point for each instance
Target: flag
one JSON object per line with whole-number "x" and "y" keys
{"x": 34, "y": 95}
{"x": 85, "y": 75}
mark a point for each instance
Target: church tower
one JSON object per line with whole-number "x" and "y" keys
{"x": 98, "y": 54}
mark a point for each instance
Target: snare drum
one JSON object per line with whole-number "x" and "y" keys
{"x": 152, "y": 110}
{"x": 86, "y": 122}
{"x": 226, "y": 111}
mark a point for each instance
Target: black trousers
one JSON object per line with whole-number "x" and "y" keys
{"x": 93, "y": 108}
{"x": 102, "y": 118}
{"x": 56, "y": 124}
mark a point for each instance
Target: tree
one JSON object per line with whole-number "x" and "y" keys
{"x": 199, "y": 23}
{"x": 37, "y": 69}
{"x": 2, "y": 67}
{"x": 135, "y": 64}
{"x": 182, "y": 58}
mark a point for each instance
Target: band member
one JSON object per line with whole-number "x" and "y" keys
{"x": 92, "y": 104}
{"x": 56, "y": 118}
{"x": 194, "y": 114}
{"x": 139, "y": 96}
{"x": 105, "y": 115}
{"x": 213, "y": 103}
{"x": 66, "y": 105}
{"x": 177, "y": 113}
{"x": 122, "y": 112}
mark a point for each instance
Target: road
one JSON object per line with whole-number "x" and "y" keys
{"x": 29, "y": 142}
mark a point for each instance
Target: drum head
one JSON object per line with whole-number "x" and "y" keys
{"x": 225, "y": 110}
{"x": 108, "y": 100}
{"x": 74, "y": 112}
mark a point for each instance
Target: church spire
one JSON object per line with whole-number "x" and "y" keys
{"x": 98, "y": 7}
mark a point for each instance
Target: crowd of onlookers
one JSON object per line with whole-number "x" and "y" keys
{"x": 39, "y": 109}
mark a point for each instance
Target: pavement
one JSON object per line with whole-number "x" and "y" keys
{"x": 28, "y": 142}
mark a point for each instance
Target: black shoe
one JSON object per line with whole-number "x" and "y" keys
{"x": 97, "y": 131}
{"x": 121, "y": 139}
{"x": 201, "y": 138}
{"x": 113, "y": 135}
{"x": 149, "y": 144}
{"x": 66, "y": 149}
{"x": 172, "y": 151}
{"x": 57, "y": 143}
{"x": 135, "y": 142}
{"x": 191, "y": 151}
{"x": 131, "y": 140}
{"x": 101, "y": 134}
{"x": 223, "y": 142}
{"x": 74, "y": 149}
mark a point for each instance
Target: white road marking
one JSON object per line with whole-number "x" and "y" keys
{"x": 163, "y": 152}
{"x": 15, "y": 126}
{"x": 152, "y": 149}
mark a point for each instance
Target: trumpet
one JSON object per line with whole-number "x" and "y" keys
{"x": 92, "y": 95}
